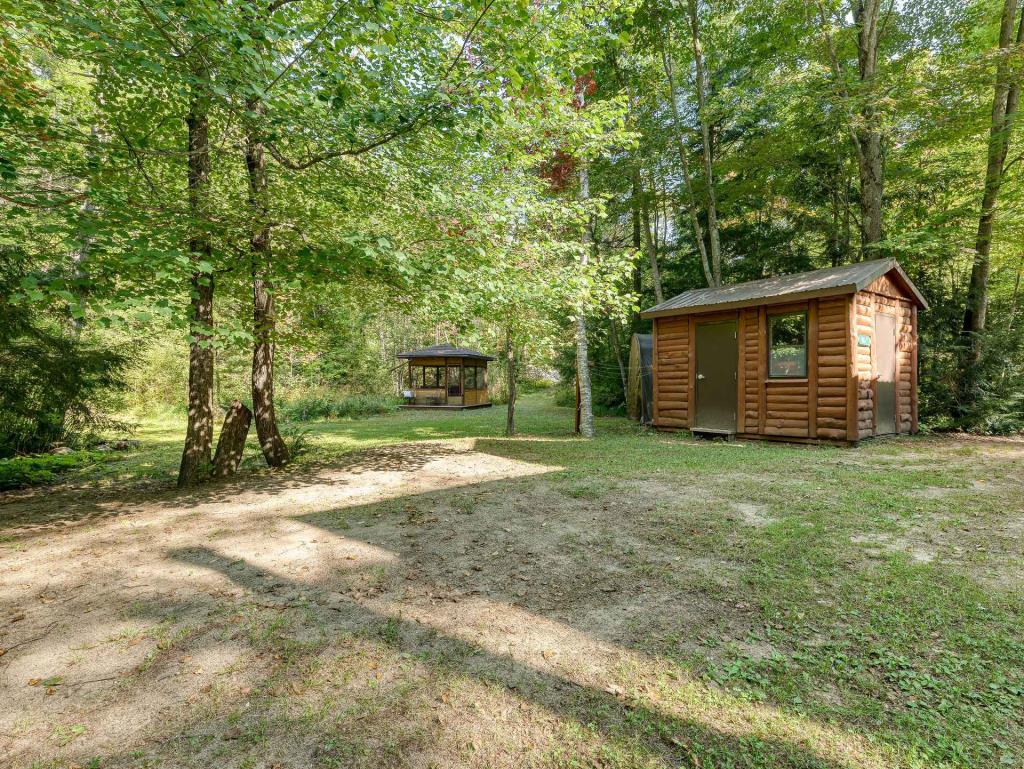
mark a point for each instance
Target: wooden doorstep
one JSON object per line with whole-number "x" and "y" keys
{"x": 448, "y": 408}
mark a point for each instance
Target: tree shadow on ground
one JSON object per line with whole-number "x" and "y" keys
{"x": 23, "y": 514}
{"x": 617, "y": 716}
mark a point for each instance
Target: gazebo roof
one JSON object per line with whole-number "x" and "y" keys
{"x": 445, "y": 351}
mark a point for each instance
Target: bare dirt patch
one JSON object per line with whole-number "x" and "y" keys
{"x": 879, "y": 544}
{"x": 753, "y": 514}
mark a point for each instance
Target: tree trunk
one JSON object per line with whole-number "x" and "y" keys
{"x": 870, "y": 163}
{"x": 869, "y": 136}
{"x": 231, "y": 443}
{"x": 511, "y": 374}
{"x": 649, "y": 245}
{"x": 690, "y": 200}
{"x": 275, "y": 451}
{"x": 614, "y": 334}
{"x": 1004, "y": 109}
{"x": 638, "y": 243}
{"x": 705, "y": 130}
{"x": 1015, "y": 297}
{"x": 195, "y": 458}
{"x": 839, "y": 235}
{"x": 865, "y": 132}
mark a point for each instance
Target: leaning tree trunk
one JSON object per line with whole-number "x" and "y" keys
{"x": 869, "y": 137}
{"x": 231, "y": 443}
{"x": 511, "y": 373}
{"x": 275, "y": 451}
{"x": 195, "y": 458}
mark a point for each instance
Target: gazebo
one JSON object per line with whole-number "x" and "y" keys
{"x": 446, "y": 377}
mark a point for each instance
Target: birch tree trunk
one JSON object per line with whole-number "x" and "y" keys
{"x": 705, "y": 130}
{"x": 195, "y": 458}
{"x": 1004, "y": 110}
{"x": 275, "y": 451}
{"x": 582, "y": 357}
{"x": 511, "y": 373}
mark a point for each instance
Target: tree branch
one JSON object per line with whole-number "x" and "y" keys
{"x": 29, "y": 204}
{"x": 278, "y": 4}
{"x": 401, "y": 130}
{"x": 465, "y": 40}
{"x": 163, "y": 33}
{"x": 305, "y": 49}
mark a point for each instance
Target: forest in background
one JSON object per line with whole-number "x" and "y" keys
{"x": 265, "y": 200}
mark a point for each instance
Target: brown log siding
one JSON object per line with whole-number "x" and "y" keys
{"x": 837, "y": 400}
{"x": 831, "y": 384}
{"x": 672, "y": 367}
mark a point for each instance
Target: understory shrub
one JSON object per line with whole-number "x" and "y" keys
{"x": 21, "y": 472}
{"x": 56, "y": 380}
{"x": 326, "y": 405}
{"x": 565, "y": 395}
{"x": 527, "y": 385}
{"x": 299, "y": 440}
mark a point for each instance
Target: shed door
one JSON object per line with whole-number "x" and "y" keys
{"x": 716, "y": 376}
{"x": 885, "y": 366}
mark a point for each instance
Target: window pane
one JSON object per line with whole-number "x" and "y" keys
{"x": 470, "y": 377}
{"x": 788, "y": 355}
{"x": 454, "y": 380}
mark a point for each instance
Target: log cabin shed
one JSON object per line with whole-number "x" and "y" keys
{"x": 446, "y": 377}
{"x": 822, "y": 356}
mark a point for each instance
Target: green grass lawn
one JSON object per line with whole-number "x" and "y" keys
{"x": 640, "y": 599}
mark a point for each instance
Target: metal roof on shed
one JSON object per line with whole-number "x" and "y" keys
{"x": 847, "y": 279}
{"x": 445, "y": 351}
